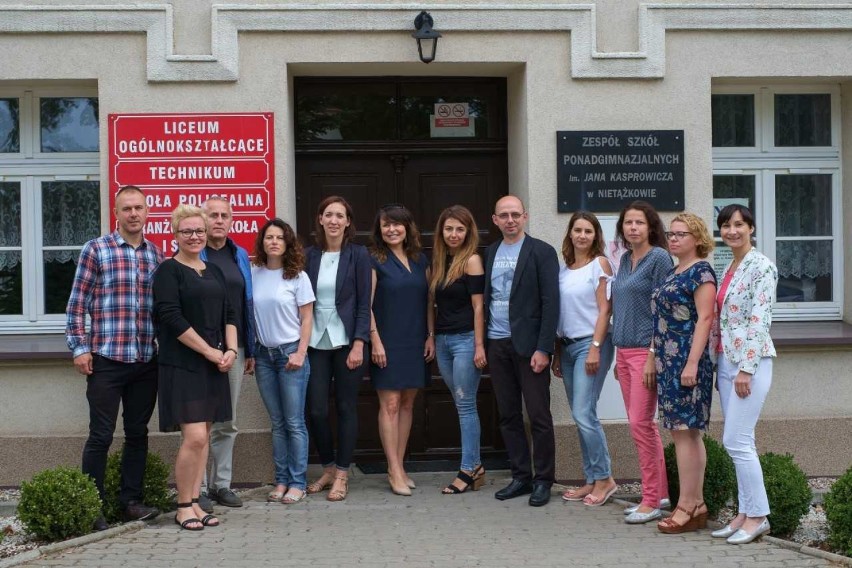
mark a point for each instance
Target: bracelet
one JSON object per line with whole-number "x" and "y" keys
{"x": 373, "y": 330}
{"x": 431, "y": 334}
{"x": 234, "y": 350}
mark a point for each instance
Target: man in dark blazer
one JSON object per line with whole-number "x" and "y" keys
{"x": 522, "y": 305}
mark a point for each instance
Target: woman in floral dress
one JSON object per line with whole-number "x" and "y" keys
{"x": 683, "y": 316}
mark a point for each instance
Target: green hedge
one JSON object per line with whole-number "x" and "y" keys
{"x": 155, "y": 486}
{"x": 720, "y": 479}
{"x": 838, "y": 511}
{"x": 59, "y": 503}
{"x": 787, "y": 490}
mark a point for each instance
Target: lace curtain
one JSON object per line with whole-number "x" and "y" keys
{"x": 804, "y": 259}
{"x": 10, "y": 224}
{"x": 70, "y": 215}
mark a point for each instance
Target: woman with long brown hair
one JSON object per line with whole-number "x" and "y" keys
{"x": 283, "y": 312}
{"x": 402, "y": 332}
{"x": 583, "y": 352}
{"x": 456, "y": 285}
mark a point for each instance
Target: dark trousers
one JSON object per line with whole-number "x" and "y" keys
{"x": 513, "y": 378}
{"x": 328, "y": 365}
{"x": 134, "y": 385}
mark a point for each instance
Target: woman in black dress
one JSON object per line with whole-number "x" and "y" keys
{"x": 402, "y": 334}
{"x": 197, "y": 338}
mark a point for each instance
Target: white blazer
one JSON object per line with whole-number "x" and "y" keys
{"x": 746, "y": 316}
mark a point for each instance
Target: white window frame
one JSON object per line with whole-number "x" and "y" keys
{"x": 765, "y": 161}
{"x": 30, "y": 167}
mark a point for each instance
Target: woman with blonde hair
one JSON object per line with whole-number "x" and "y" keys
{"x": 197, "y": 338}
{"x": 583, "y": 352}
{"x": 683, "y": 370}
{"x": 456, "y": 286}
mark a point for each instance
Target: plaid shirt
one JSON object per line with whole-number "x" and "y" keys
{"x": 113, "y": 286}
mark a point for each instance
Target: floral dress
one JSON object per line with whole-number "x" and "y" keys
{"x": 675, "y": 316}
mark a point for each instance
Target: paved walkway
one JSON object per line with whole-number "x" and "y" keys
{"x": 374, "y": 528}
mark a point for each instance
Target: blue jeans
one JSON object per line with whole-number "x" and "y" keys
{"x": 454, "y": 352}
{"x": 283, "y": 393}
{"x": 583, "y": 393}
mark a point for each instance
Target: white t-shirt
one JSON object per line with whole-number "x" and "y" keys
{"x": 276, "y": 305}
{"x": 578, "y": 306}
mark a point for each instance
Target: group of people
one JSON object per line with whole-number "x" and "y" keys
{"x": 311, "y": 323}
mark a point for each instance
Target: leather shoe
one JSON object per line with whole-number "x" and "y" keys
{"x": 205, "y": 503}
{"x": 136, "y": 511}
{"x": 224, "y": 496}
{"x": 515, "y": 489}
{"x": 540, "y": 494}
{"x": 100, "y": 524}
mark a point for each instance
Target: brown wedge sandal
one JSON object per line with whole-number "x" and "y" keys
{"x": 694, "y": 521}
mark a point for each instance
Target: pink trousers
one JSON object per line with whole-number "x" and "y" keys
{"x": 641, "y": 405}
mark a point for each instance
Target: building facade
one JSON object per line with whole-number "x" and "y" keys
{"x": 759, "y": 95}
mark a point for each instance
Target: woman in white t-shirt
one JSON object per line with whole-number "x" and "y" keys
{"x": 283, "y": 312}
{"x": 583, "y": 351}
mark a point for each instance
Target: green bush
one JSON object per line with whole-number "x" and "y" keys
{"x": 155, "y": 486}
{"x": 787, "y": 490}
{"x": 720, "y": 479}
{"x": 59, "y": 503}
{"x": 838, "y": 511}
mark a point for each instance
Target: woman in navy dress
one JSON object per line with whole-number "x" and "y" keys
{"x": 683, "y": 315}
{"x": 401, "y": 334}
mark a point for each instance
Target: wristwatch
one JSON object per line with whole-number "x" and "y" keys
{"x": 596, "y": 343}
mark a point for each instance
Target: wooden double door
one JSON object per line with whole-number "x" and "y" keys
{"x": 338, "y": 154}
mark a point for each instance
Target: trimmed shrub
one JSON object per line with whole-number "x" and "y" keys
{"x": 787, "y": 490}
{"x": 838, "y": 511}
{"x": 59, "y": 503}
{"x": 720, "y": 479}
{"x": 155, "y": 485}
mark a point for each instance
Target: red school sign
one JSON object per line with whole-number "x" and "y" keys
{"x": 186, "y": 158}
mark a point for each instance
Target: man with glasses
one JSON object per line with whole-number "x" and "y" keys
{"x": 112, "y": 286}
{"x": 522, "y": 306}
{"x": 234, "y": 262}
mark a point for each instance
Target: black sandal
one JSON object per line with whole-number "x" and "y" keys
{"x": 472, "y": 482}
{"x": 185, "y": 524}
{"x": 207, "y": 520}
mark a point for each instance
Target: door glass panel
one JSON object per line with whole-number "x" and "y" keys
{"x": 804, "y": 271}
{"x": 803, "y": 205}
{"x": 345, "y": 112}
{"x": 70, "y": 212}
{"x": 9, "y": 126}
{"x": 419, "y": 121}
{"x": 69, "y": 124}
{"x": 733, "y": 120}
{"x": 803, "y": 120}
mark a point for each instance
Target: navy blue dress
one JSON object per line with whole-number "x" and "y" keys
{"x": 675, "y": 316}
{"x": 399, "y": 306}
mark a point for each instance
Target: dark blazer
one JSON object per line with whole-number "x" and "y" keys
{"x": 534, "y": 300}
{"x": 178, "y": 306}
{"x": 353, "y": 289}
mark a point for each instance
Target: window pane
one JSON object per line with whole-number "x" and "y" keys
{"x": 10, "y": 214}
{"x": 730, "y": 189}
{"x": 346, "y": 112}
{"x": 69, "y": 124}
{"x": 803, "y": 120}
{"x": 71, "y": 212}
{"x": 59, "y": 269}
{"x": 803, "y": 205}
{"x": 9, "y": 126}
{"x": 804, "y": 271}
{"x": 11, "y": 298}
{"x": 733, "y": 120}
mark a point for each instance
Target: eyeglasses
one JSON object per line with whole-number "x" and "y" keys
{"x": 515, "y": 216}
{"x": 188, "y": 233}
{"x": 676, "y": 235}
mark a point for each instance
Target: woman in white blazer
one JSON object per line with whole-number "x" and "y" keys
{"x": 745, "y": 351}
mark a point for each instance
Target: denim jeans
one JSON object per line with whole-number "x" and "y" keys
{"x": 454, "y": 352}
{"x": 283, "y": 393}
{"x": 583, "y": 393}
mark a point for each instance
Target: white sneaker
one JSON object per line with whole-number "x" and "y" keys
{"x": 664, "y": 504}
{"x": 637, "y": 518}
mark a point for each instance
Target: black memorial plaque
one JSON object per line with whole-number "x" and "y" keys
{"x": 605, "y": 170}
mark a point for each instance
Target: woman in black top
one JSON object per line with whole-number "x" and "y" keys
{"x": 197, "y": 338}
{"x": 456, "y": 285}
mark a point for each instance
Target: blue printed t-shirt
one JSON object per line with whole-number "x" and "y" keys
{"x": 502, "y": 274}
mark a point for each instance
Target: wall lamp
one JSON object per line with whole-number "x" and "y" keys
{"x": 425, "y": 36}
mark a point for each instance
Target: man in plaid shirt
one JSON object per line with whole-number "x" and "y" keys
{"x": 118, "y": 355}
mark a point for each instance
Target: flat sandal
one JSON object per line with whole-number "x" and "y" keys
{"x": 336, "y": 495}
